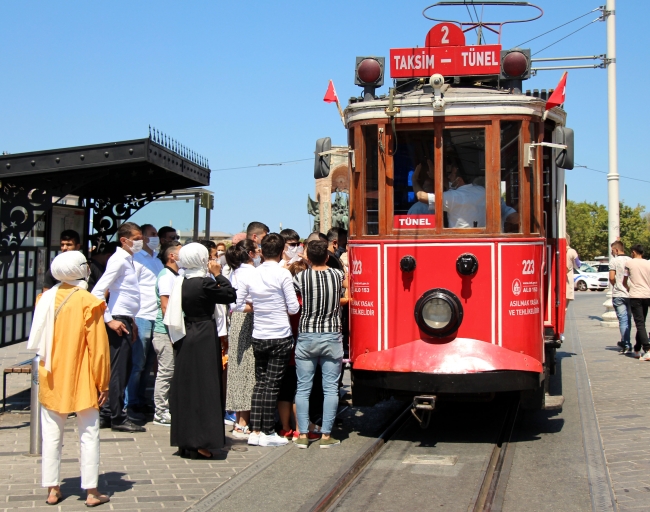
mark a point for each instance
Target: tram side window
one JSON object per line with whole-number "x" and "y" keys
{"x": 532, "y": 177}
{"x": 464, "y": 178}
{"x": 370, "y": 139}
{"x": 510, "y": 131}
{"x": 413, "y": 173}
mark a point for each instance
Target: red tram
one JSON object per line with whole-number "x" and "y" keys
{"x": 457, "y": 224}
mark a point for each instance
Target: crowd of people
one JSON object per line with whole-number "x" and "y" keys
{"x": 249, "y": 335}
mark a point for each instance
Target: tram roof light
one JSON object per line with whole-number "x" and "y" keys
{"x": 369, "y": 71}
{"x": 515, "y": 64}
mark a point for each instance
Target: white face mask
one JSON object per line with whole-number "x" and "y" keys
{"x": 153, "y": 242}
{"x": 257, "y": 261}
{"x": 220, "y": 253}
{"x": 291, "y": 252}
{"x": 136, "y": 246}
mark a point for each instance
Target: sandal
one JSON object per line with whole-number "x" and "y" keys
{"x": 101, "y": 499}
{"x": 57, "y": 494}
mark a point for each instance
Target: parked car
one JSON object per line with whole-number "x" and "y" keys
{"x": 591, "y": 278}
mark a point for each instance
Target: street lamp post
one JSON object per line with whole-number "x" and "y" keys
{"x": 609, "y": 317}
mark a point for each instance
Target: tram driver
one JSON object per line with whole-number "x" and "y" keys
{"x": 463, "y": 200}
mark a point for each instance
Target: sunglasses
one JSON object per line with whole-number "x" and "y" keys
{"x": 293, "y": 244}
{"x": 172, "y": 238}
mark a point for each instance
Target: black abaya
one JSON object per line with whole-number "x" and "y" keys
{"x": 195, "y": 397}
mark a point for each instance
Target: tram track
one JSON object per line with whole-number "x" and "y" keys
{"x": 490, "y": 486}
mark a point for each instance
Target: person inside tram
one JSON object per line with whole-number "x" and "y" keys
{"x": 422, "y": 182}
{"x": 464, "y": 200}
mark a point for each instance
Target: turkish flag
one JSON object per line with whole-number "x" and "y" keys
{"x": 330, "y": 95}
{"x": 559, "y": 94}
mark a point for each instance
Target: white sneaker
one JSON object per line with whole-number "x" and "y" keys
{"x": 271, "y": 439}
{"x": 254, "y": 439}
{"x": 241, "y": 432}
{"x": 646, "y": 357}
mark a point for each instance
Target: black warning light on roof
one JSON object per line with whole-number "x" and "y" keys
{"x": 515, "y": 64}
{"x": 369, "y": 74}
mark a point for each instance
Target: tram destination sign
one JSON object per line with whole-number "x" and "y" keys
{"x": 445, "y": 51}
{"x": 448, "y": 61}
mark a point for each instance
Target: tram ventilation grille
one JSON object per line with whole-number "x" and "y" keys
{"x": 543, "y": 94}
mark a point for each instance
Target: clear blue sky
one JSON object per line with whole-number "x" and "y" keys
{"x": 242, "y": 84}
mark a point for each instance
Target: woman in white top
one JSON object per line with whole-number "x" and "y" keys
{"x": 241, "y": 361}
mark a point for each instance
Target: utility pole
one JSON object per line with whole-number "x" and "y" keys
{"x": 612, "y": 176}
{"x": 609, "y": 318}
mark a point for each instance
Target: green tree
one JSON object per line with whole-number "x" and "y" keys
{"x": 587, "y": 225}
{"x": 634, "y": 226}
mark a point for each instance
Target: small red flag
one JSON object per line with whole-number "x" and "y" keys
{"x": 330, "y": 95}
{"x": 559, "y": 94}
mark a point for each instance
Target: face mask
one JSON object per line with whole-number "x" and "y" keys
{"x": 220, "y": 253}
{"x": 136, "y": 246}
{"x": 291, "y": 252}
{"x": 257, "y": 261}
{"x": 153, "y": 242}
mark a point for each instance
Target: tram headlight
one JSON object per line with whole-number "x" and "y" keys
{"x": 438, "y": 312}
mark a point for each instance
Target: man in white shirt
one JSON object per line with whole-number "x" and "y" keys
{"x": 637, "y": 282}
{"x": 274, "y": 298}
{"x": 121, "y": 282}
{"x": 162, "y": 345}
{"x": 465, "y": 203}
{"x": 147, "y": 267}
{"x": 620, "y": 295}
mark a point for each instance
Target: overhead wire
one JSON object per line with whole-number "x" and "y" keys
{"x": 263, "y": 165}
{"x": 559, "y": 26}
{"x": 563, "y": 38}
{"x": 605, "y": 172}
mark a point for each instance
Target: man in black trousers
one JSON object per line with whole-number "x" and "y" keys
{"x": 121, "y": 282}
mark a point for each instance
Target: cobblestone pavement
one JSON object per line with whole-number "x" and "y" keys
{"x": 140, "y": 472}
{"x": 137, "y": 470}
{"x": 618, "y": 384}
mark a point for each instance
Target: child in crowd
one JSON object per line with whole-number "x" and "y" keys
{"x": 319, "y": 339}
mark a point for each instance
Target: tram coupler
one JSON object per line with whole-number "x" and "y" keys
{"x": 422, "y": 408}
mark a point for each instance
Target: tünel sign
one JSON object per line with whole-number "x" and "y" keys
{"x": 414, "y": 221}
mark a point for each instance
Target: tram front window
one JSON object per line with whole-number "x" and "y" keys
{"x": 413, "y": 172}
{"x": 464, "y": 178}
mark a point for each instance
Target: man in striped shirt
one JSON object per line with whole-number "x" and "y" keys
{"x": 319, "y": 339}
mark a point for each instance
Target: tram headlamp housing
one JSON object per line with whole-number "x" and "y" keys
{"x": 438, "y": 312}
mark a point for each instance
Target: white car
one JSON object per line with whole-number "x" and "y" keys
{"x": 589, "y": 278}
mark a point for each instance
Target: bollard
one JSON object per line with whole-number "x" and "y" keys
{"x": 35, "y": 434}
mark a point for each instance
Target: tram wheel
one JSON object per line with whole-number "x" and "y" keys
{"x": 533, "y": 399}
{"x": 362, "y": 394}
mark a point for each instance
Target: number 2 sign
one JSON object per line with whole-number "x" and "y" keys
{"x": 445, "y": 34}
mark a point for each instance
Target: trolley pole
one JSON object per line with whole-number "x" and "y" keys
{"x": 612, "y": 176}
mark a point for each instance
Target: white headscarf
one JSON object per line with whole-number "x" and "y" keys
{"x": 68, "y": 267}
{"x": 194, "y": 259}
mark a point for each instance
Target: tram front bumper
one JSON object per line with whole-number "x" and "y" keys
{"x": 457, "y": 357}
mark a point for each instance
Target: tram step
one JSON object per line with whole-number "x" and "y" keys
{"x": 553, "y": 402}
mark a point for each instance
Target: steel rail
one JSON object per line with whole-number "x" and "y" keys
{"x": 336, "y": 490}
{"x": 496, "y": 474}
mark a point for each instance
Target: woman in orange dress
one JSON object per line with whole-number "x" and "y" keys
{"x": 69, "y": 335}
